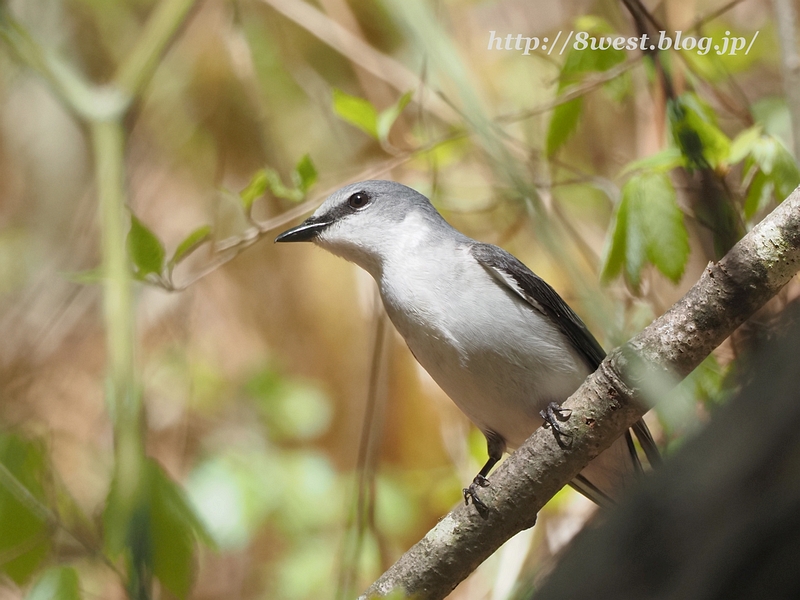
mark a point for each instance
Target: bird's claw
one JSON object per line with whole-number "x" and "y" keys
{"x": 552, "y": 414}
{"x": 471, "y": 493}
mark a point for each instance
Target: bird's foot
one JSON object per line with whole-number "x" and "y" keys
{"x": 552, "y": 414}
{"x": 471, "y": 493}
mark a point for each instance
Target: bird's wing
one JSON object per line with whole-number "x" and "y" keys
{"x": 541, "y": 297}
{"x": 534, "y": 290}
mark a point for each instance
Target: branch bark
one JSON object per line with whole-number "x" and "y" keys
{"x": 720, "y": 519}
{"x": 609, "y": 402}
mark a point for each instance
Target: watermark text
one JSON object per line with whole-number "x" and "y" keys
{"x": 727, "y": 45}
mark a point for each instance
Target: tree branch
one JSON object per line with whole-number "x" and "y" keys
{"x": 720, "y": 519}
{"x": 727, "y": 294}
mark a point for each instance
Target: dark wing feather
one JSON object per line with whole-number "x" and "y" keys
{"x": 543, "y": 298}
{"x": 534, "y": 290}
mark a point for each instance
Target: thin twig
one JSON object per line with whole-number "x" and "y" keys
{"x": 229, "y": 248}
{"x": 75, "y": 93}
{"x": 159, "y": 32}
{"x": 571, "y": 93}
{"x": 365, "y": 486}
{"x": 710, "y": 16}
{"x": 359, "y": 52}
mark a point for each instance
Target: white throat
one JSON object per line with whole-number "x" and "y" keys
{"x": 373, "y": 245}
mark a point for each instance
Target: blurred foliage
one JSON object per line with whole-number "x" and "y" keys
{"x": 244, "y": 367}
{"x": 58, "y": 582}
{"x": 362, "y": 114}
{"x": 24, "y": 539}
{"x": 156, "y": 533}
{"x": 648, "y": 226}
{"x": 579, "y": 63}
{"x": 303, "y": 177}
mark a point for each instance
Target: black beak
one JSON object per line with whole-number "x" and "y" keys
{"x": 305, "y": 232}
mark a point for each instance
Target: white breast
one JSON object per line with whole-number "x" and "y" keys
{"x": 498, "y": 359}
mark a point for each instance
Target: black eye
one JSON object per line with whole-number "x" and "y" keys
{"x": 358, "y": 200}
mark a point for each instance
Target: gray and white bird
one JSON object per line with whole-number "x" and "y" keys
{"x": 493, "y": 335}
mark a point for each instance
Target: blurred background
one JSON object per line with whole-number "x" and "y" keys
{"x": 297, "y": 447}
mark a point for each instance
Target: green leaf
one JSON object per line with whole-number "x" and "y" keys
{"x": 24, "y": 537}
{"x": 441, "y": 154}
{"x": 764, "y": 151}
{"x": 562, "y": 124}
{"x": 155, "y": 531}
{"x": 773, "y": 113}
{"x": 173, "y": 527}
{"x": 58, "y": 583}
{"x": 742, "y": 145}
{"x": 388, "y": 117}
{"x": 593, "y": 24}
{"x": 117, "y": 516}
{"x": 758, "y": 194}
{"x": 577, "y": 64}
{"x": 615, "y": 247}
{"x": 255, "y": 189}
{"x": 278, "y": 189}
{"x": 695, "y": 132}
{"x": 303, "y": 177}
{"x": 777, "y": 174}
{"x": 648, "y": 227}
{"x": 356, "y": 111}
{"x": 660, "y": 217}
{"x": 715, "y": 144}
{"x": 580, "y": 62}
{"x": 306, "y": 174}
{"x": 190, "y": 243}
{"x": 146, "y": 250}
{"x": 635, "y": 244}
{"x": 660, "y": 162}
{"x": 785, "y": 174}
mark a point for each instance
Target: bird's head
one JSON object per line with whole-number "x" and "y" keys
{"x": 366, "y": 222}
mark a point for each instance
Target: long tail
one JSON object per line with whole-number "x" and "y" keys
{"x": 607, "y": 476}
